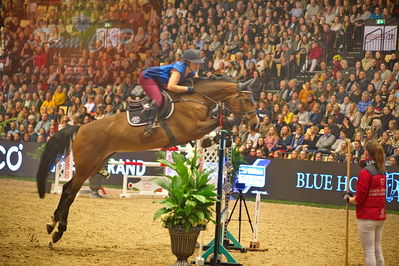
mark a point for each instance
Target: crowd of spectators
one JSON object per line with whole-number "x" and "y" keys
{"x": 70, "y": 63}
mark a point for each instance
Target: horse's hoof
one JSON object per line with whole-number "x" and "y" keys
{"x": 56, "y": 237}
{"x": 49, "y": 228}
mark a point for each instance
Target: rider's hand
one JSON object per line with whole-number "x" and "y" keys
{"x": 190, "y": 89}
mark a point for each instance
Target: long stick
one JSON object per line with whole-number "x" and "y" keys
{"x": 348, "y": 173}
{"x": 216, "y": 256}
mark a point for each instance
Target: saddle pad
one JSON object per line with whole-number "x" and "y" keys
{"x": 137, "y": 116}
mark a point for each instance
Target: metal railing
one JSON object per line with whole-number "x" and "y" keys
{"x": 380, "y": 39}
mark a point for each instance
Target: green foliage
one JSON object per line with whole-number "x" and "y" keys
{"x": 236, "y": 159}
{"x": 191, "y": 198}
{"x": 4, "y": 123}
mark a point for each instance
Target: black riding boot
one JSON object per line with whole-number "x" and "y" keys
{"x": 152, "y": 113}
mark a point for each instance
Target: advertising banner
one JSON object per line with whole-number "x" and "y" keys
{"x": 317, "y": 182}
{"x": 280, "y": 179}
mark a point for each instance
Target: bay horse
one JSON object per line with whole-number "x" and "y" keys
{"x": 92, "y": 144}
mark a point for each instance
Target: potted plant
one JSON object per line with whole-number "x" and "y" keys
{"x": 189, "y": 205}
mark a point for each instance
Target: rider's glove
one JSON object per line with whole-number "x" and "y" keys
{"x": 190, "y": 89}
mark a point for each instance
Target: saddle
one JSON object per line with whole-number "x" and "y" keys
{"x": 137, "y": 114}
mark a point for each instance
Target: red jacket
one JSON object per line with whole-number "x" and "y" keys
{"x": 41, "y": 59}
{"x": 317, "y": 53}
{"x": 370, "y": 194}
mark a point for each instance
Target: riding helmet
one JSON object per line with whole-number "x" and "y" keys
{"x": 193, "y": 56}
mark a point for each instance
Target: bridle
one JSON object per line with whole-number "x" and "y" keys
{"x": 224, "y": 108}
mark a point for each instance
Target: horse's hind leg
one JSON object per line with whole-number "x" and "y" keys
{"x": 57, "y": 213}
{"x": 68, "y": 196}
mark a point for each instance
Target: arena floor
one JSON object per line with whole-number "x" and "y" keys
{"x": 117, "y": 231}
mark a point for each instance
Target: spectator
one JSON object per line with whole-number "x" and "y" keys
{"x": 365, "y": 102}
{"x": 316, "y": 55}
{"x": 303, "y": 94}
{"x": 253, "y": 136}
{"x": 284, "y": 141}
{"x": 49, "y": 102}
{"x": 43, "y": 123}
{"x": 59, "y": 96}
{"x": 325, "y": 142}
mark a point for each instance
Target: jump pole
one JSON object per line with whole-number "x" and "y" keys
{"x": 254, "y": 245}
{"x": 348, "y": 173}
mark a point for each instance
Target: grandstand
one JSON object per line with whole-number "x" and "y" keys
{"x": 320, "y": 66}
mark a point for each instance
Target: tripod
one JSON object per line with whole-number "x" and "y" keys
{"x": 241, "y": 200}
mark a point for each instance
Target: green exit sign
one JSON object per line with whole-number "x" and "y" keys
{"x": 380, "y": 21}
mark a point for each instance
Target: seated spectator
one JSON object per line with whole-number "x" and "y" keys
{"x": 271, "y": 138}
{"x": 287, "y": 114}
{"x": 303, "y": 115}
{"x": 367, "y": 118}
{"x": 303, "y": 94}
{"x": 330, "y": 158}
{"x": 59, "y": 96}
{"x": 265, "y": 126}
{"x": 296, "y": 139}
{"x": 253, "y": 136}
{"x": 336, "y": 147}
{"x": 386, "y": 143}
{"x": 325, "y": 142}
{"x": 277, "y": 154}
{"x": 348, "y": 128}
{"x": 364, "y": 103}
{"x": 318, "y": 157}
{"x": 315, "y": 116}
{"x": 342, "y": 152}
{"x": 13, "y": 129}
{"x": 392, "y": 161}
{"x": 294, "y": 155}
{"x": 284, "y": 140}
{"x": 316, "y": 55}
{"x": 43, "y": 123}
{"x": 378, "y": 104}
{"x": 303, "y": 155}
{"x": 49, "y": 102}
{"x": 386, "y": 117}
{"x": 41, "y": 139}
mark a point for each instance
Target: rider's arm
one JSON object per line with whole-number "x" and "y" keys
{"x": 174, "y": 80}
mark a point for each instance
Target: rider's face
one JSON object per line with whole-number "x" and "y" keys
{"x": 194, "y": 66}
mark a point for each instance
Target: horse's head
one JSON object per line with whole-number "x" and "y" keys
{"x": 242, "y": 104}
{"x": 237, "y": 97}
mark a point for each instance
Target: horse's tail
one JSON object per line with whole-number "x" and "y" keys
{"x": 59, "y": 144}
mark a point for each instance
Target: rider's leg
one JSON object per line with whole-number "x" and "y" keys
{"x": 151, "y": 88}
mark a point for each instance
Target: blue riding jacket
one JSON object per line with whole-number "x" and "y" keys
{"x": 161, "y": 74}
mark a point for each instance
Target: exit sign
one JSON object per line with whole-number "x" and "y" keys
{"x": 380, "y": 21}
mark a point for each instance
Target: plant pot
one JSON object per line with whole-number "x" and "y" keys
{"x": 183, "y": 243}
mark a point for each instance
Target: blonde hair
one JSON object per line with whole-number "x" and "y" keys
{"x": 376, "y": 152}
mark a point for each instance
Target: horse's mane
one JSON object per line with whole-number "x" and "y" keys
{"x": 214, "y": 77}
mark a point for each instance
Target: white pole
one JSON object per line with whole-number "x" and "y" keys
{"x": 257, "y": 217}
{"x": 124, "y": 186}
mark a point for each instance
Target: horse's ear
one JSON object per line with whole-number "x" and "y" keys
{"x": 252, "y": 83}
{"x": 244, "y": 86}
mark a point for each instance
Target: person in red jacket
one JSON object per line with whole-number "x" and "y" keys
{"x": 316, "y": 55}
{"x": 40, "y": 58}
{"x": 370, "y": 202}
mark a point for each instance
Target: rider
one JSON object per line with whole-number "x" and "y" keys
{"x": 168, "y": 77}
